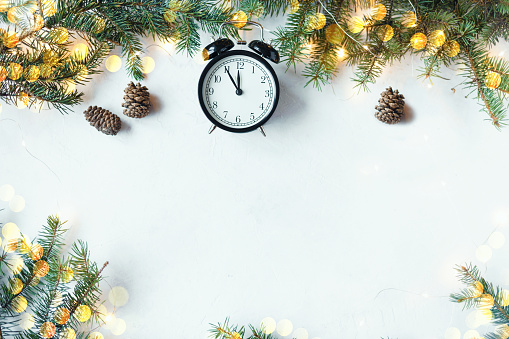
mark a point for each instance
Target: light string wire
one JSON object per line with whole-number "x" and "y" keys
{"x": 23, "y": 143}
{"x": 411, "y": 4}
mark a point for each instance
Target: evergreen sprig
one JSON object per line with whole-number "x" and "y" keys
{"x": 228, "y": 331}
{"x": 482, "y": 294}
{"x": 107, "y": 24}
{"x": 46, "y": 293}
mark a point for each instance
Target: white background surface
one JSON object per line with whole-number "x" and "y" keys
{"x": 335, "y": 221}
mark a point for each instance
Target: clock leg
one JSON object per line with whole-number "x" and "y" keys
{"x": 262, "y": 131}
{"x": 212, "y": 128}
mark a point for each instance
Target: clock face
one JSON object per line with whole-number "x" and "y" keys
{"x": 238, "y": 91}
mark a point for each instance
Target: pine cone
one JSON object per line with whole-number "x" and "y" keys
{"x": 137, "y": 101}
{"x": 390, "y": 108}
{"x": 103, "y": 120}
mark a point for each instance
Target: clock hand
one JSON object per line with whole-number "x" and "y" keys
{"x": 238, "y": 90}
{"x": 238, "y": 78}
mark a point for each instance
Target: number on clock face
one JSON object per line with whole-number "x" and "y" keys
{"x": 239, "y": 91}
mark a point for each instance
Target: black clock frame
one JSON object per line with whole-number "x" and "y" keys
{"x": 202, "y": 81}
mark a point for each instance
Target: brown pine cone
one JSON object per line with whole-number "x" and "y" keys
{"x": 103, "y": 120}
{"x": 390, "y": 107}
{"x": 137, "y": 101}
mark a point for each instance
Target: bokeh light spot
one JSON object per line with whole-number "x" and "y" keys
{"x": 452, "y": 333}
{"x": 113, "y": 63}
{"x": 15, "y": 263}
{"x": 471, "y": 334}
{"x": 95, "y": 335}
{"x": 284, "y": 327}
{"x": 17, "y": 203}
{"x": 268, "y": 325}
{"x": 82, "y": 313}
{"x": 80, "y": 51}
{"x": 483, "y": 253}
{"x": 300, "y": 333}
{"x": 118, "y": 327}
{"x": 10, "y": 231}
{"x": 118, "y": 296}
{"x": 19, "y": 304}
{"x": 148, "y": 64}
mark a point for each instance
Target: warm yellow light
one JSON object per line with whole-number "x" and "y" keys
{"x": 334, "y": 34}
{"x": 386, "y": 33}
{"x": 67, "y": 274}
{"x": 48, "y": 330}
{"x": 118, "y": 296}
{"x": 82, "y": 313}
{"x": 113, "y": 63}
{"x": 118, "y": 327}
{"x": 268, "y": 325}
{"x": 10, "y": 231}
{"x": 148, "y": 64}
{"x": 19, "y": 304}
{"x": 241, "y": 17}
{"x": 70, "y": 86}
{"x": 437, "y": 38}
{"x": 49, "y": 7}
{"x": 95, "y": 335}
{"x": 418, "y": 41}
{"x": 294, "y": 7}
{"x": 10, "y": 40}
{"x": 62, "y": 315}
{"x": 409, "y": 19}
{"x": 80, "y": 51}
{"x": 356, "y": 24}
{"x": 300, "y": 333}
{"x": 493, "y": 80}
{"x": 378, "y": 12}
{"x": 14, "y": 71}
{"x": 41, "y": 268}
{"x": 452, "y": 48}
{"x": 284, "y": 327}
{"x": 487, "y": 301}
{"x": 306, "y": 49}
{"x": 15, "y": 286}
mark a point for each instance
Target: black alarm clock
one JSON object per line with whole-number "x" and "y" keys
{"x": 238, "y": 89}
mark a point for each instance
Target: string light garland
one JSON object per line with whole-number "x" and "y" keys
{"x": 378, "y": 12}
{"x": 493, "y": 80}
{"x": 418, "y": 41}
{"x": 346, "y": 33}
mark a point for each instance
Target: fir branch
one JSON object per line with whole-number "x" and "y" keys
{"x": 92, "y": 282}
{"x": 480, "y": 88}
